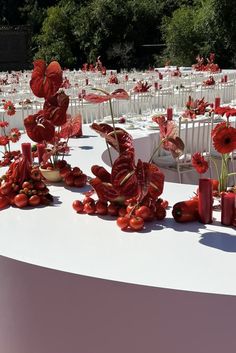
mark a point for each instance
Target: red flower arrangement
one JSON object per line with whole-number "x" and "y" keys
{"x": 209, "y": 66}
{"x": 131, "y": 191}
{"x": 113, "y": 79}
{"x": 209, "y": 82}
{"x": 141, "y": 87}
{"x": 52, "y": 124}
{"x": 195, "y": 107}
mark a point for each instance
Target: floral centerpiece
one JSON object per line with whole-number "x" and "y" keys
{"x": 195, "y": 107}
{"x": 141, "y": 87}
{"x": 206, "y": 65}
{"x": 52, "y": 126}
{"x": 131, "y": 191}
{"x": 224, "y": 141}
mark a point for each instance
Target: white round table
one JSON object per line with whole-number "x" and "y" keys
{"x": 77, "y": 284}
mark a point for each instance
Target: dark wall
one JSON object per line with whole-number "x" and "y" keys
{"x": 15, "y": 48}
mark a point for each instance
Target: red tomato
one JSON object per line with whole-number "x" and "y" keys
{"x": 64, "y": 171}
{"x": 78, "y": 206}
{"x": 122, "y": 212}
{"x": 69, "y": 179}
{"x": 165, "y": 204}
{"x": 143, "y": 211}
{"x": 34, "y": 200}
{"x": 136, "y": 223}
{"x": 160, "y": 213}
{"x": 27, "y": 184}
{"x": 101, "y": 207}
{"x": 89, "y": 208}
{"x": 4, "y": 202}
{"x": 76, "y": 171}
{"x": 35, "y": 174}
{"x": 122, "y": 222}
{"x": 88, "y": 199}
{"x": 21, "y": 200}
{"x": 113, "y": 209}
{"x": 80, "y": 181}
{"x": 5, "y": 188}
{"x": 39, "y": 185}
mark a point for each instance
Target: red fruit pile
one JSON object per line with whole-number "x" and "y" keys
{"x": 130, "y": 216}
{"x": 8, "y": 157}
{"x": 22, "y": 186}
{"x": 71, "y": 176}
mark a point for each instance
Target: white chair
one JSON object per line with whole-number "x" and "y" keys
{"x": 196, "y": 135}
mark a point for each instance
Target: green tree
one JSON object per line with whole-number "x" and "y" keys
{"x": 56, "y": 39}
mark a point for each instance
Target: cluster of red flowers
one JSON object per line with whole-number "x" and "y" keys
{"x": 9, "y": 108}
{"x": 209, "y": 82}
{"x": 113, "y": 79}
{"x": 141, "y": 87}
{"x": 199, "y": 163}
{"x": 209, "y": 66}
{"x": 195, "y": 107}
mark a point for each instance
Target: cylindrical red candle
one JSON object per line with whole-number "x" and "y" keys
{"x": 217, "y": 102}
{"x": 169, "y": 113}
{"x": 126, "y": 77}
{"x": 205, "y": 198}
{"x": 156, "y": 85}
{"x": 86, "y": 81}
{"x": 26, "y": 151}
{"x": 225, "y": 78}
{"x": 228, "y": 200}
{"x": 40, "y": 151}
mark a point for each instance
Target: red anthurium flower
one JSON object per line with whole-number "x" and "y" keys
{"x": 96, "y": 98}
{"x": 224, "y": 140}
{"x": 55, "y": 108}
{"x": 38, "y": 128}
{"x": 154, "y": 179}
{"x": 120, "y": 93}
{"x": 124, "y": 139}
{"x": 199, "y": 163}
{"x": 100, "y": 98}
{"x": 72, "y": 127}
{"x": 123, "y": 176}
{"x": 105, "y": 191}
{"x": 46, "y": 80}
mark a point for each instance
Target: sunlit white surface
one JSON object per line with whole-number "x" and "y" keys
{"x": 191, "y": 256}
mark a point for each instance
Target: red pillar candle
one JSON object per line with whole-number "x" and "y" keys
{"x": 126, "y": 77}
{"x": 40, "y": 151}
{"x": 156, "y": 85}
{"x": 205, "y": 199}
{"x": 86, "y": 81}
{"x": 225, "y": 78}
{"x": 228, "y": 201}
{"x": 26, "y": 151}
{"x": 217, "y": 102}
{"x": 169, "y": 113}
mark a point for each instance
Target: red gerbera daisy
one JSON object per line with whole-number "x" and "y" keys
{"x": 3, "y": 140}
{"x": 9, "y": 108}
{"x": 14, "y": 135}
{"x": 224, "y": 140}
{"x": 4, "y": 124}
{"x": 199, "y": 163}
